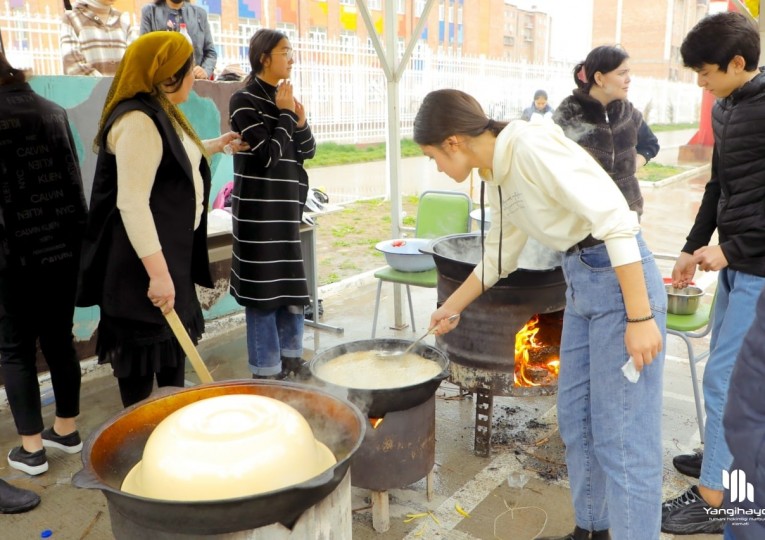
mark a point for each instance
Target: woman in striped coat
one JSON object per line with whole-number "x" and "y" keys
{"x": 270, "y": 188}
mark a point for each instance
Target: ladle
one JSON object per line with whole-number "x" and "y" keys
{"x": 188, "y": 346}
{"x": 416, "y": 341}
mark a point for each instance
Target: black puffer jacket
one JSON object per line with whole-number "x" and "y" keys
{"x": 734, "y": 198}
{"x": 609, "y": 134}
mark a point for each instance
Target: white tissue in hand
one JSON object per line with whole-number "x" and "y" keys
{"x": 630, "y": 371}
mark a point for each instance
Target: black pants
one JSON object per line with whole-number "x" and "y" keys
{"x": 138, "y": 387}
{"x": 38, "y": 303}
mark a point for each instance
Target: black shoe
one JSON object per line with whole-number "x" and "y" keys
{"x": 297, "y": 367}
{"x": 278, "y": 377}
{"x": 581, "y": 534}
{"x": 688, "y": 514}
{"x": 32, "y": 463}
{"x": 689, "y": 464}
{"x": 15, "y": 500}
{"x": 71, "y": 444}
{"x": 308, "y": 313}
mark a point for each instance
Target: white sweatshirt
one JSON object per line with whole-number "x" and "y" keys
{"x": 554, "y": 192}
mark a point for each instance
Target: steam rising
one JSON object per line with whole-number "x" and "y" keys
{"x": 467, "y": 248}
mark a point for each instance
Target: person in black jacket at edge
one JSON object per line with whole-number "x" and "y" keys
{"x": 42, "y": 218}
{"x": 724, "y": 50}
{"x": 744, "y": 426}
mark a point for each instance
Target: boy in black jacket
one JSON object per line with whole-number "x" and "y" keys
{"x": 724, "y": 50}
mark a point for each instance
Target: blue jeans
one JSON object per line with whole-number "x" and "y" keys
{"x": 737, "y": 294}
{"x": 610, "y": 426}
{"x": 728, "y": 534}
{"x": 271, "y": 335}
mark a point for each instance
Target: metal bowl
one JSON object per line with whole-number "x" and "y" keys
{"x": 683, "y": 301}
{"x": 404, "y": 254}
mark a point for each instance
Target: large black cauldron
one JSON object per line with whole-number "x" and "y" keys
{"x": 485, "y": 336}
{"x": 114, "y": 448}
{"x": 377, "y": 402}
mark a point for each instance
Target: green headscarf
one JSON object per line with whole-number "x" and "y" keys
{"x": 149, "y": 61}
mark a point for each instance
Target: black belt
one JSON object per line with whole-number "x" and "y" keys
{"x": 590, "y": 241}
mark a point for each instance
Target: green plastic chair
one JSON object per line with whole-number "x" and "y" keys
{"x": 688, "y": 327}
{"x": 439, "y": 213}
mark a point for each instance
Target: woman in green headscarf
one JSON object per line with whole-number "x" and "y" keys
{"x": 146, "y": 241}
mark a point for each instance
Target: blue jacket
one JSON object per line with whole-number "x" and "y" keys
{"x": 155, "y": 17}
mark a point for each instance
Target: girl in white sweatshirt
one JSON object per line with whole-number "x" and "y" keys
{"x": 542, "y": 185}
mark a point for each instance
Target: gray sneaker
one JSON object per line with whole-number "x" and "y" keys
{"x": 71, "y": 444}
{"x": 32, "y": 463}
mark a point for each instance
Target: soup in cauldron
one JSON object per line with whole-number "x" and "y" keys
{"x": 369, "y": 370}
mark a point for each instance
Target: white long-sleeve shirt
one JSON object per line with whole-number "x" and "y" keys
{"x": 135, "y": 141}
{"x": 552, "y": 191}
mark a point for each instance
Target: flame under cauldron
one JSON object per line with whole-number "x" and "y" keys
{"x": 537, "y": 349}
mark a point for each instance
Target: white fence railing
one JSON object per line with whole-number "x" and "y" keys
{"x": 344, "y": 88}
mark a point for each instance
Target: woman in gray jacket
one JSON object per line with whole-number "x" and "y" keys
{"x": 169, "y": 15}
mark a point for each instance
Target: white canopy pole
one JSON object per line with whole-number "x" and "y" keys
{"x": 393, "y": 69}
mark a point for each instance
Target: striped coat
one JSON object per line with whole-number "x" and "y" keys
{"x": 270, "y": 188}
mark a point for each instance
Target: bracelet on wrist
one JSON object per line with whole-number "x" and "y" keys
{"x": 641, "y": 319}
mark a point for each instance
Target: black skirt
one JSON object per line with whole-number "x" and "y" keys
{"x": 136, "y": 348}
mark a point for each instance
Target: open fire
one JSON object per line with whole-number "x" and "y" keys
{"x": 375, "y": 422}
{"x": 537, "y": 348}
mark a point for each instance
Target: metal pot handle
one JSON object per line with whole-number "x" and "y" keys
{"x": 428, "y": 249}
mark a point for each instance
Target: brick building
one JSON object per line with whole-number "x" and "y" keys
{"x": 651, "y": 32}
{"x": 494, "y": 28}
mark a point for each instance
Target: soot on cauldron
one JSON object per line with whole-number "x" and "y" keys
{"x": 113, "y": 449}
{"x": 482, "y": 347}
{"x": 399, "y": 444}
{"x": 493, "y": 351}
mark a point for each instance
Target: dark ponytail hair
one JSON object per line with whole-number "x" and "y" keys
{"x": 262, "y": 42}
{"x": 8, "y": 73}
{"x": 173, "y": 84}
{"x": 448, "y": 112}
{"x": 605, "y": 59}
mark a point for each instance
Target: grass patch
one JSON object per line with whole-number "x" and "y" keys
{"x": 672, "y": 127}
{"x": 346, "y": 240}
{"x": 653, "y": 172}
{"x": 349, "y": 265}
{"x": 343, "y": 230}
{"x": 330, "y": 153}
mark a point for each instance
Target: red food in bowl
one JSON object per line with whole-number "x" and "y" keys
{"x": 668, "y": 281}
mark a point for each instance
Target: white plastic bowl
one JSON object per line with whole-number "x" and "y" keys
{"x": 404, "y": 255}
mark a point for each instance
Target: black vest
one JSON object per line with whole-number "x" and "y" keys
{"x": 112, "y": 276}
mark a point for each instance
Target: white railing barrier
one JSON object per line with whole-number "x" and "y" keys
{"x": 343, "y": 86}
